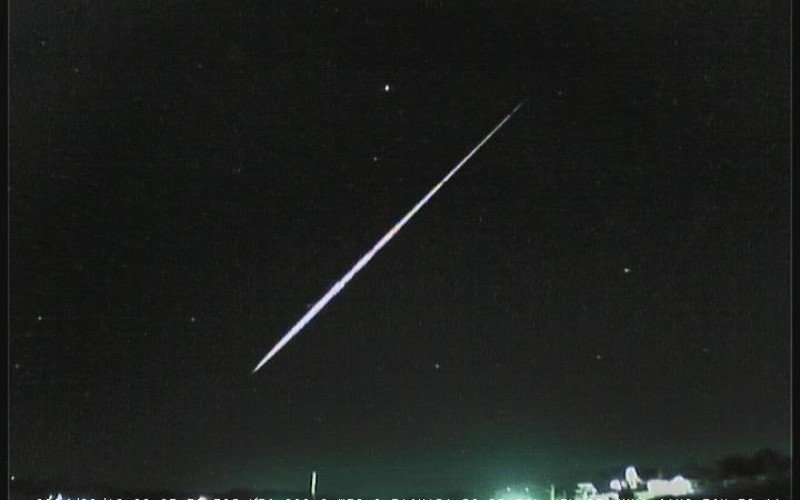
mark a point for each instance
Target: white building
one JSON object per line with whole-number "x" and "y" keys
{"x": 642, "y": 489}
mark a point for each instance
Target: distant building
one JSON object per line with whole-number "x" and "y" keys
{"x": 588, "y": 491}
{"x": 634, "y": 486}
{"x": 678, "y": 486}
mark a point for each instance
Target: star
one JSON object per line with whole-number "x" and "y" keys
{"x": 387, "y": 88}
{"x": 626, "y": 270}
{"x": 437, "y": 366}
{"x": 598, "y": 357}
{"x": 39, "y": 318}
{"x": 192, "y": 319}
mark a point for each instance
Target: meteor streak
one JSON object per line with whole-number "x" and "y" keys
{"x": 364, "y": 260}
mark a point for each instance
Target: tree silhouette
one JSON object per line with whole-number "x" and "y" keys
{"x": 765, "y": 462}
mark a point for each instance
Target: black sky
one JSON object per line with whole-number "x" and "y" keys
{"x": 607, "y": 281}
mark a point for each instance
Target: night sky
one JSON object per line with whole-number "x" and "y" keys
{"x": 605, "y": 282}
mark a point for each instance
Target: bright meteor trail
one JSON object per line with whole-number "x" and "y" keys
{"x": 339, "y": 285}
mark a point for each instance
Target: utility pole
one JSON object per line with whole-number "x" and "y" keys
{"x": 313, "y": 485}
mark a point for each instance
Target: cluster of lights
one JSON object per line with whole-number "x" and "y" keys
{"x": 516, "y": 493}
